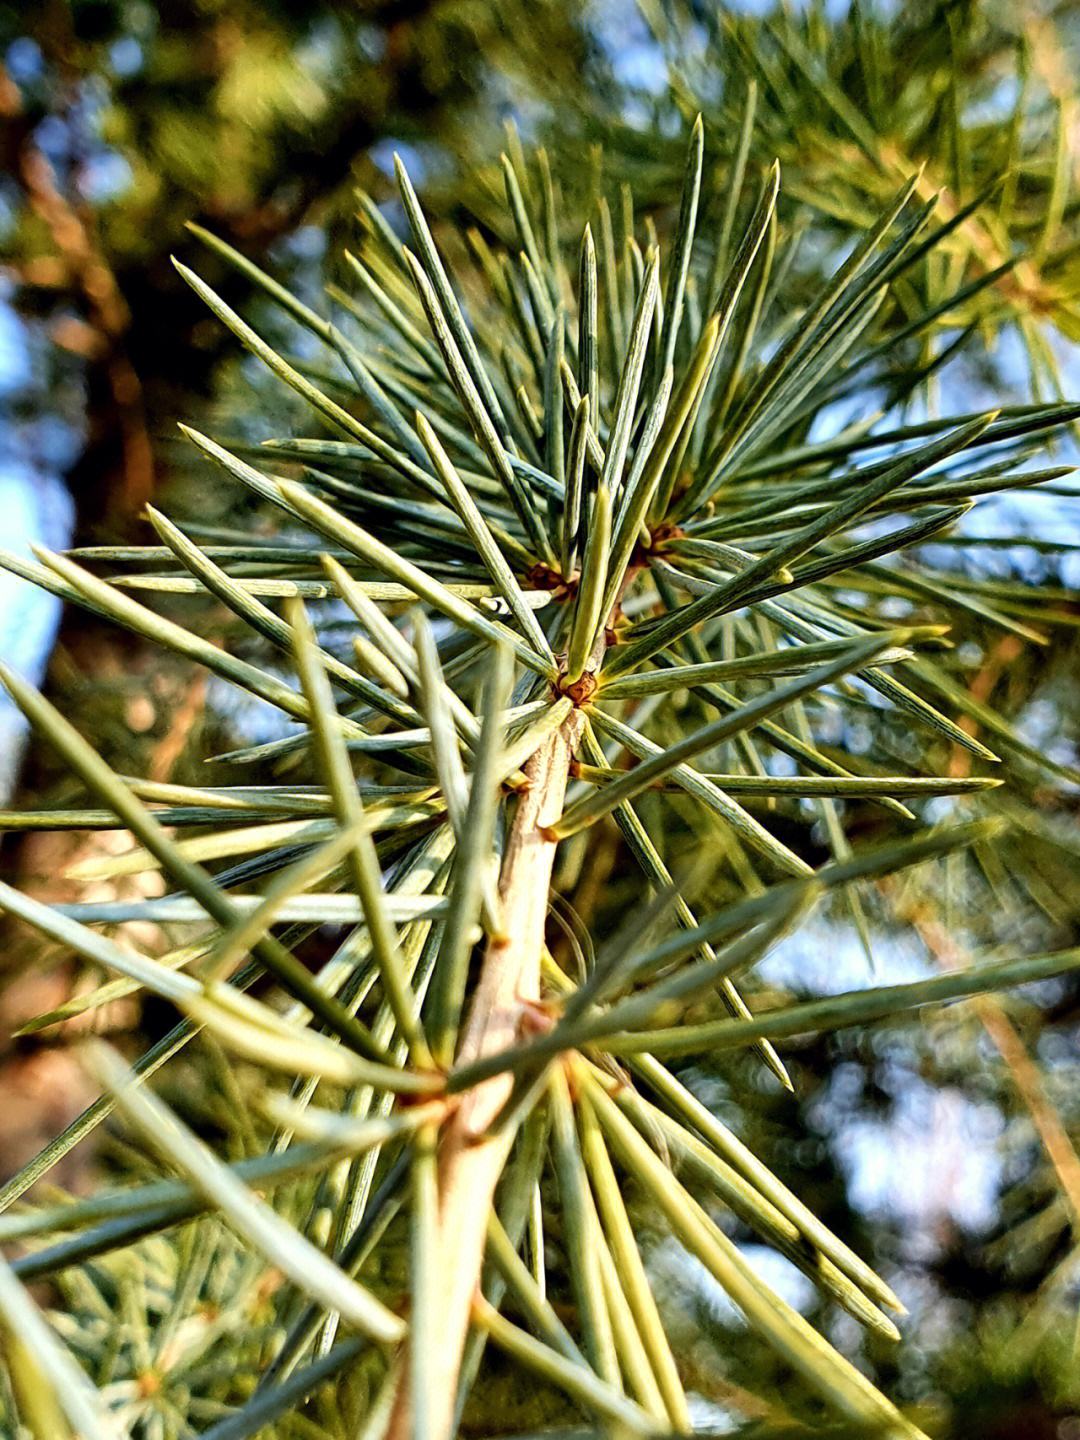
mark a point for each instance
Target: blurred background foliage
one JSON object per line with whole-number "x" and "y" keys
{"x": 122, "y": 122}
{"x": 944, "y": 1150}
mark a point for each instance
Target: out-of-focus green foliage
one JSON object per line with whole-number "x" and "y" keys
{"x": 120, "y": 122}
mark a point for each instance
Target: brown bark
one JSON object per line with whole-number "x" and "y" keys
{"x": 471, "y": 1160}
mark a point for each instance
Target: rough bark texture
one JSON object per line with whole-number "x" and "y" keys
{"x": 471, "y": 1162}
